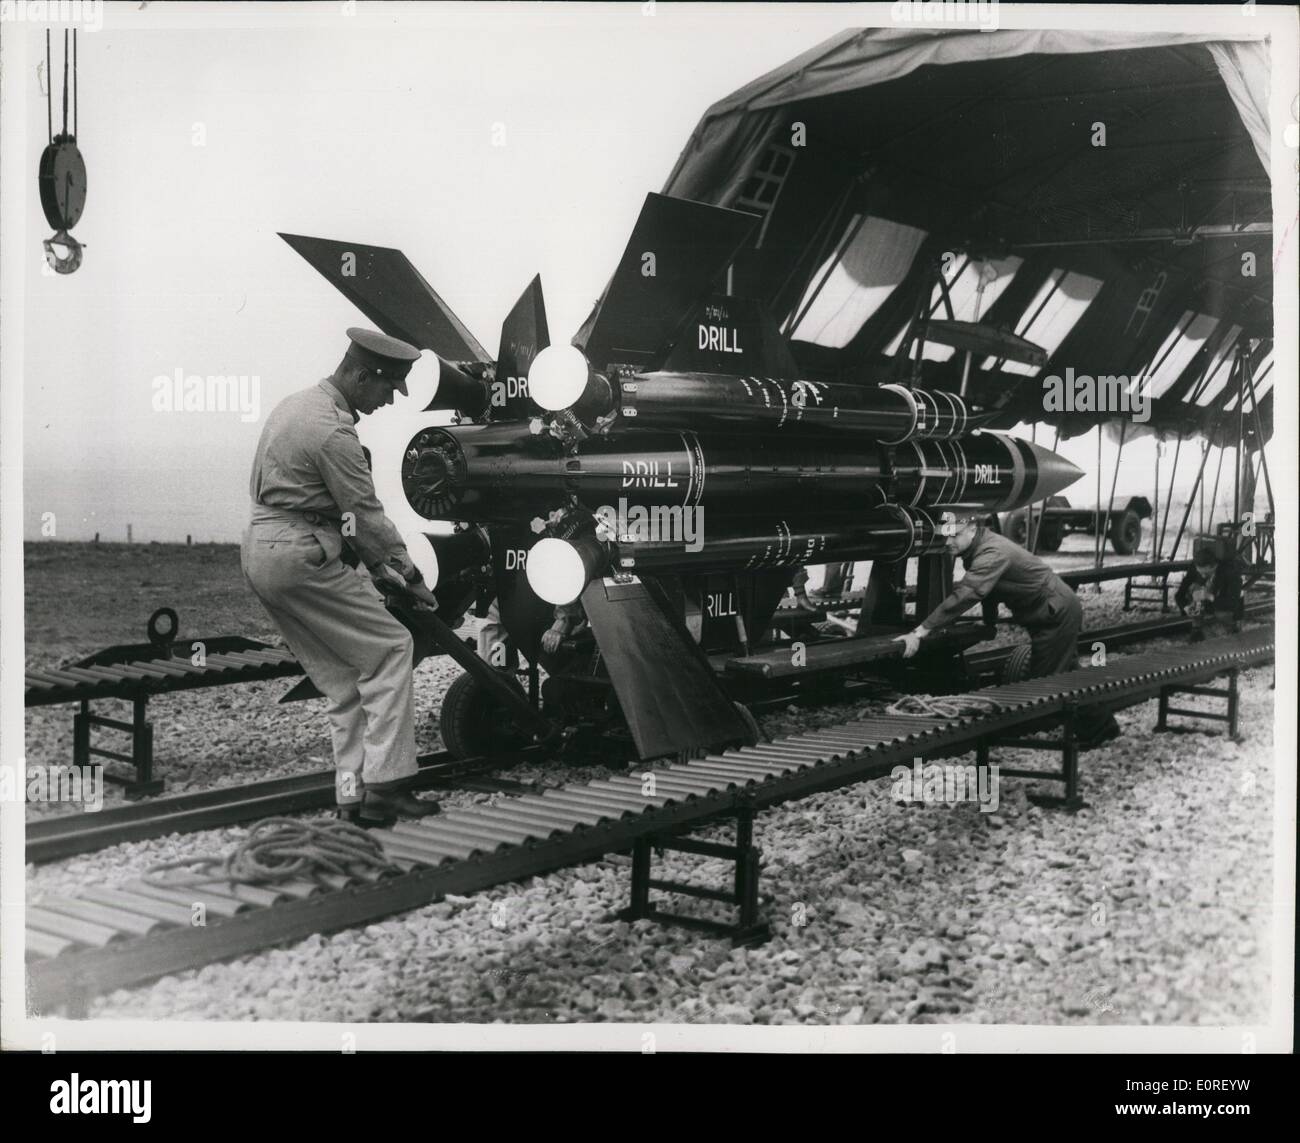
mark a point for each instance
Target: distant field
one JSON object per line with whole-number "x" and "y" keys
{"x": 82, "y": 597}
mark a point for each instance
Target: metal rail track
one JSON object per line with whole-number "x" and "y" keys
{"x": 110, "y": 938}
{"x": 53, "y": 839}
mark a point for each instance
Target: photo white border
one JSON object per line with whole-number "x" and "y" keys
{"x": 17, "y": 176}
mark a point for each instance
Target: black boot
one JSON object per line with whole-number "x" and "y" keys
{"x": 396, "y": 804}
{"x": 358, "y": 814}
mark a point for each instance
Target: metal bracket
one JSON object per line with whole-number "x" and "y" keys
{"x": 1228, "y": 693}
{"x": 1068, "y": 775}
{"x": 747, "y": 929}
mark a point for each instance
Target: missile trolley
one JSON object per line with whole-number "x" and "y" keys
{"x": 660, "y": 481}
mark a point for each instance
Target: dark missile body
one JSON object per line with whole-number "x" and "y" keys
{"x": 491, "y": 473}
{"x": 889, "y": 414}
{"x": 655, "y": 542}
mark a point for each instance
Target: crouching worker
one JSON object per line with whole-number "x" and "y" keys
{"x": 1211, "y": 593}
{"x": 310, "y": 487}
{"x": 1001, "y": 571}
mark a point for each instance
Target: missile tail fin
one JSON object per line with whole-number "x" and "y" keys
{"x": 735, "y": 336}
{"x": 665, "y": 686}
{"x": 677, "y": 252}
{"x": 383, "y": 285}
{"x": 524, "y": 335}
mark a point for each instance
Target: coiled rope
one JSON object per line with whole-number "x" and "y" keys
{"x": 949, "y": 706}
{"x": 280, "y": 849}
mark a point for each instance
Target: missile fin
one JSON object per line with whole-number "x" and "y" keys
{"x": 677, "y": 252}
{"x": 735, "y": 336}
{"x": 665, "y": 686}
{"x": 524, "y": 335}
{"x": 383, "y": 285}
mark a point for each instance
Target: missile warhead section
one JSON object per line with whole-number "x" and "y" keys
{"x": 986, "y": 471}
{"x": 560, "y": 567}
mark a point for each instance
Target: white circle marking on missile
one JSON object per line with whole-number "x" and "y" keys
{"x": 557, "y": 377}
{"x": 555, "y": 571}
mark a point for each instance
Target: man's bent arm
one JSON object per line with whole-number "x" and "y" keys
{"x": 980, "y": 578}
{"x": 343, "y": 468}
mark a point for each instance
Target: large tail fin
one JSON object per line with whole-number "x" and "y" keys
{"x": 383, "y": 285}
{"x": 669, "y": 695}
{"x": 524, "y": 335}
{"x": 677, "y": 252}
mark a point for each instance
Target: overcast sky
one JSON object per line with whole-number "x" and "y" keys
{"x": 203, "y": 139}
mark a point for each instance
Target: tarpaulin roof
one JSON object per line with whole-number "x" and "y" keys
{"x": 1102, "y": 194}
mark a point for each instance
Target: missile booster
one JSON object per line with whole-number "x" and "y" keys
{"x": 560, "y": 566}
{"x": 562, "y": 380}
{"x": 498, "y": 472}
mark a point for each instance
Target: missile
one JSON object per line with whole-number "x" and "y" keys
{"x": 560, "y": 567}
{"x": 561, "y": 380}
{"x": 498, "y": 472}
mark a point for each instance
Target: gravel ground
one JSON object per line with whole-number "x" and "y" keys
{"x": 1151, "y": 905}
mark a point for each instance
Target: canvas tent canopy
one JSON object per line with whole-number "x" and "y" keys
{"x": 1103, "y": 195}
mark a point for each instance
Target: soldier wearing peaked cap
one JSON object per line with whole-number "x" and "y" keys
{"x": 311, "y": 489}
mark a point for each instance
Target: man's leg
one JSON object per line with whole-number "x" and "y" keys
{"x": 332, "y": 676}
{"x": 357, "y": 654}
{"x": 348, "y": 733}
{"x": 1056, "y": 651}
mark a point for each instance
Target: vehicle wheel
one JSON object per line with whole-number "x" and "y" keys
{"x": 1050, "y": 537}
{"x": 993, "y": 524}
{"x": 1126, "y": 533}
{"x": 1018, "y": 528}
{"x": 750, "y": 721}
{"x": 472, "y": 722}
{"x": 1016, "y": 668}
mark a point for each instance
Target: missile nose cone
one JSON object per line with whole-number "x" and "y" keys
{"x": 1054, "y": 472}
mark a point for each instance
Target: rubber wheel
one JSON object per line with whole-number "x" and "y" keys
{"x": 472, "y": 722}
{"x": 750, "y": 721}
{"x": 1126, "y": 533}
{"x": 1050, "y": 537}
{"x": 1016, "y": 668}
{"x": 1018, "y": 529}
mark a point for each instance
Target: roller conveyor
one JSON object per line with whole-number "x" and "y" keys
{"x": 475, "y": 847}
{"x": 138, "y": 672}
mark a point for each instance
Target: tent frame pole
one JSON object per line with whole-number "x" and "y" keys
{"x": 1200, "y": 484}
{"x": 1114, "y": 479}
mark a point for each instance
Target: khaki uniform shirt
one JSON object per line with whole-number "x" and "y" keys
{"x": 1001, "y": 571}
{"x": 309, "y": 461}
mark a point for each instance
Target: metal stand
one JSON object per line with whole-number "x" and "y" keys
{"x": 1068, "y": 775}
{"x": 1148, "y": 591}
{"x": 748, "y": 929}
{"x": 143, "y": 784}
{"x": 1229, "y": 693}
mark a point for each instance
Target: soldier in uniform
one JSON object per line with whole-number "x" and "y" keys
{"x": 311, "y": 488}
{"x": 1001, "y": 571}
